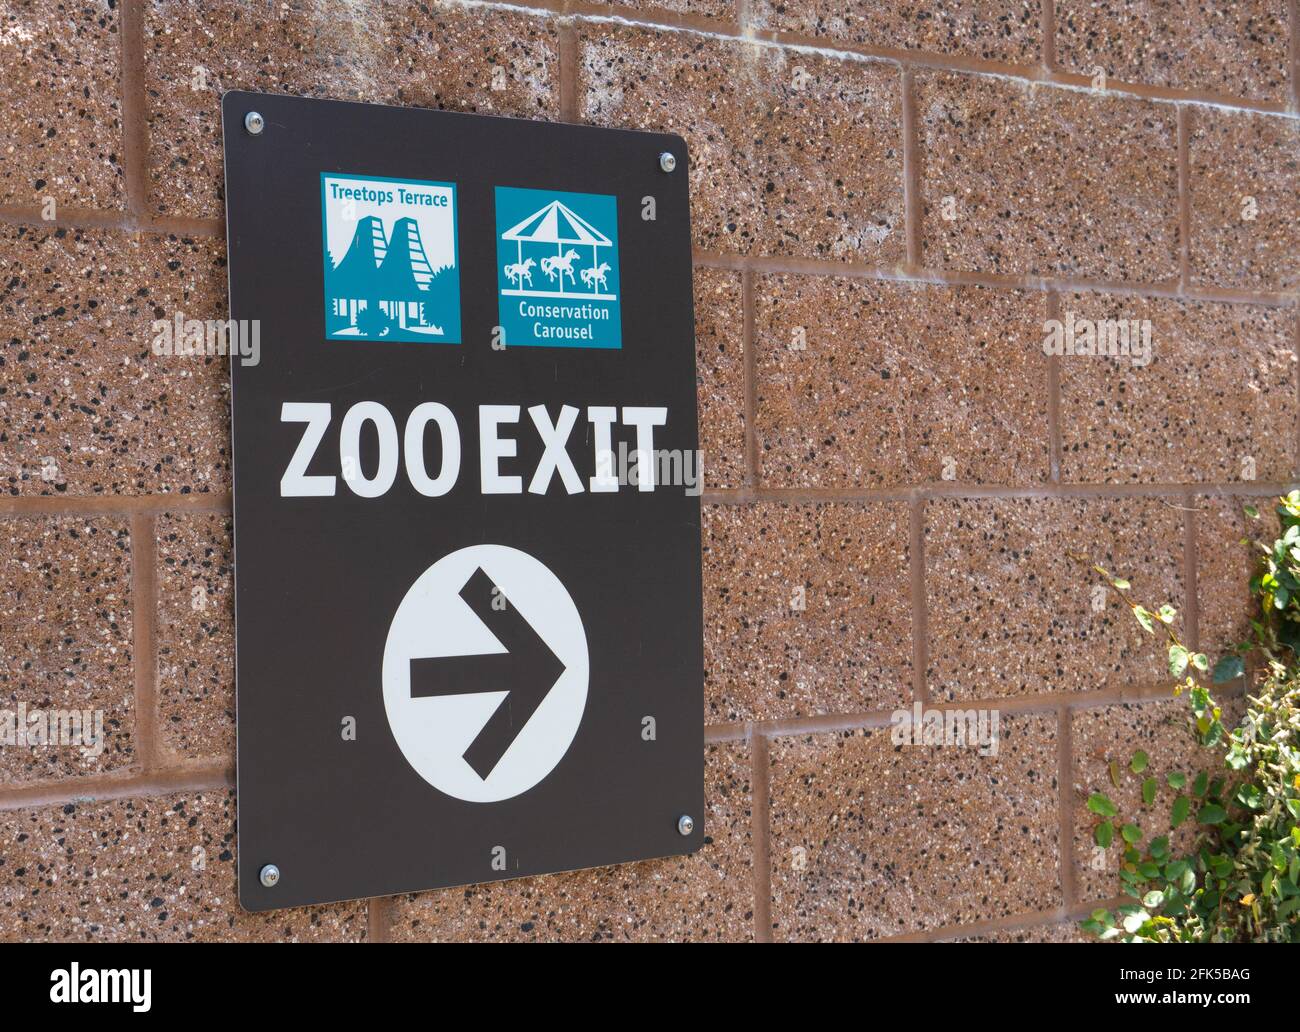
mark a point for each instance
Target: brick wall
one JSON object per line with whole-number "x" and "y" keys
{"x": 887, "y": 206}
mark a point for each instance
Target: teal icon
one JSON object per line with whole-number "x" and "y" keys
{"x": 557, "y": 269}
{"x": 391, "y": 271}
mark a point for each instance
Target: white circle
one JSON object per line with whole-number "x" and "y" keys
{"x": 434, "y": 621}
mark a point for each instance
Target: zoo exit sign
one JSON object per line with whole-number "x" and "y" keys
{"x": 466, "y": 494}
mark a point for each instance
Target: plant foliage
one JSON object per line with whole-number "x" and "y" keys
{"x": 1241, "y": 882}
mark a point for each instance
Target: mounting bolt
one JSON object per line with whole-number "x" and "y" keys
{"x": 685, "y": 824}
{"x": 255, "y": 123}
{"x": 667, "y": 162}
{"x": 270, "y": 876}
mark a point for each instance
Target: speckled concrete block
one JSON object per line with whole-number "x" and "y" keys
{"x": 196, "y": 636}
{"x": 994, "y": 30}
{"x": 1011, "y": 613}
{"x": 870, "y": 839}
{"x": 1244, "y": 181}
{"x": 864, "y": 383}
{"x": 158, "y": 869}
{"x": 1225, "y": 561}
{"x": 1061, "y": 931}
{"x": 65, "y": 621}
{"x": 436, "y": 55}
{"x": 1237, "y": 47}
{"x": 791, "y": 153}
{"x": 60, "y": 112}
{"x": 723, "y": 10}
{"x": 705, "y": 897}
{"x": 847, "y": 650}
{"x": 86, "y": 407}
{"x": 720, "y": 376}
{"x": 1215, "y": 403}
{"x": 1114, "y": 733}
{"x": 1046, "y": 181}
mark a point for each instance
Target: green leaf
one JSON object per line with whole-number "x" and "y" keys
{"x": 1201, "y": 783}
{"x": 1201, "y": 661}
{"x": 1101, "y": 805}
{"x": 1251, "y": 511}
{"x": 1104, "y": 834}
{"x": 1133, "y": 922}
{"x": 1176, "y": 780}
{"x": 1149, "y": 787}
{"x": 1181, "y": 874}
{"x": 1131, "y": 834}
{"x": 1144, "y": 617}
{"x": 1177, "y": 660}
{"x": 1229, "y": 668}
{"x": 1182, "y": 806}
{"x": 1211, "y": 813}
{"x": 1139, "y": 762}
{"x": 1167, "y": 613}
{"x": 1154, "y": 900}
{"x": 1294, "y": 806}
{"x": 1159, "y": 847}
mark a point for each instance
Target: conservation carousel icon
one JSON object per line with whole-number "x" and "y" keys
{"x": 557, "y": 279}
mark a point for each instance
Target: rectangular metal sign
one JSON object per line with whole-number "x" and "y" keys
{"x": 466, "y": 492}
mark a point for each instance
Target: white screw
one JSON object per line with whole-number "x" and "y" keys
{"x": 667, "y": 162}
{"x": 270, "y": 876}
{"x": 685, "y": 824}
{"x": 254, "y": 123}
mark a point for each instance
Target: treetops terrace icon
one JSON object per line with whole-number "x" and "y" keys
{"x": 557, "y": 269}
{"x": 391, "y": 272}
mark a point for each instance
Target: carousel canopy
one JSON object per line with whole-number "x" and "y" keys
{"x": 556, "y": 224}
